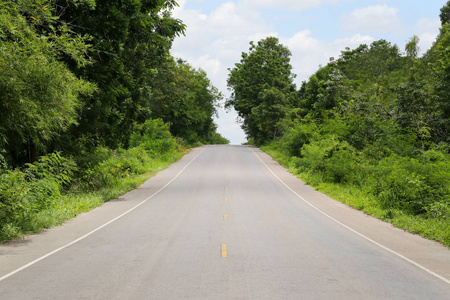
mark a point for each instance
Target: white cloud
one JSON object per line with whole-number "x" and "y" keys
{"x": 283, "y": 4}
{"x": 255, "y": 37}
{"x": 378, "y": 18}
{"x": 354, "y": 41}
{"x": 427, "y": 30}
{"x": 290, "y": 5}
{"x": 211, "y": 65}
{"x": 230, "y": 19}
{"x": 214, "y": 41}
{"x": 177, "y": 11}
{"x": 307, "y": 53}
{"x": 302, "y": 42}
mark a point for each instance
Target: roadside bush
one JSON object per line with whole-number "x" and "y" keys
{"x": 343, "y": 165}
{"x": 23, "y": 193}
{"x": 411, "y": 184}
{"x": 315, "y": 153}
{"x": 335, "y": 160}
{"x": 294, "y": 139}
{"x": 103, "y": 167}
{"x": 32, "y": 198}
{"x": 440, "y": 209}
{"x": 417, "y": 185}
{"x": 123, "y": 163}
{"x": 13, "y": 195}
{"x": 89, "y": 175}
{"x": 154, "y": 137}
{"x": 215, "y": 138}
{"x": 52, "y": 167}
{"x": 3, "y": 164}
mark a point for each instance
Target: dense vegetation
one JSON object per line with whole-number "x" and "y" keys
{"x": 371, "y": 127}
{"x": 90, "y": 99}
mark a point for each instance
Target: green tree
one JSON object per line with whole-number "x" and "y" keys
{"x": 266, "y": 115}
{"x": 185, "y": 99}
{"x": 262, "y": 87}
{"x": 130, "y": 40}
{"x": 440, "y": 69}
{"x": 445, "y": 14}
{"x": 415, "y": 109}
{"x": 39, "y": 95}
{"x": 367, "y": 64}
{"x": 412, "y": 47}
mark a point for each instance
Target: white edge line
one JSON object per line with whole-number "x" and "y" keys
{"x": 98, "y": 228}
{"x": 353, "y": 230}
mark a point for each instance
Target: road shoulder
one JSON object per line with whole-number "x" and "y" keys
{"x": 431, "y": 255}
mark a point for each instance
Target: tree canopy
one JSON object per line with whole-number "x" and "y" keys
{"x": 39, "y": 96}
{"x": 445, "y": 14}
{"x": 261, "y": 88}
{"x": 78, "y": 74}
{"x": 129, "y": 41}
{"x": 185, "y": 99}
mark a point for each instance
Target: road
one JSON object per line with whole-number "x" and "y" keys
{"x": 225, "y": 222}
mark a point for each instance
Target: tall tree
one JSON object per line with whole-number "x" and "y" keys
{"x": 370, "y": 63}
{"x": 39, "y": 96}
{"x": 130, "y": 39}
{"x": 412, "y": 47}
{"x": 445, "y": 14}
{"x": 441, "y": 83}
{"x": 185, "y": 99}
{"x": 262, "y": 88}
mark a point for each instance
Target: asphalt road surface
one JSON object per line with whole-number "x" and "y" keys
{"x": 225, "y": 222}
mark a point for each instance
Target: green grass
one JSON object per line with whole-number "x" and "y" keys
{"x": 437, "y": 229}
{"x": 81, "y": 199}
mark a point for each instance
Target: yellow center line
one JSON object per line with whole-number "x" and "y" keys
{"x": 226, "y": 188}
{"x": 223, "y": 251}
{"x": 226, "y": 200}
{"x": 225, "y": 217}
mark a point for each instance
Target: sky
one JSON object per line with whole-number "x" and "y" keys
{"x": 218, "y": 31}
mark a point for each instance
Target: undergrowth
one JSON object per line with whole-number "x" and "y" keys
{"x": 56, "y": 188}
